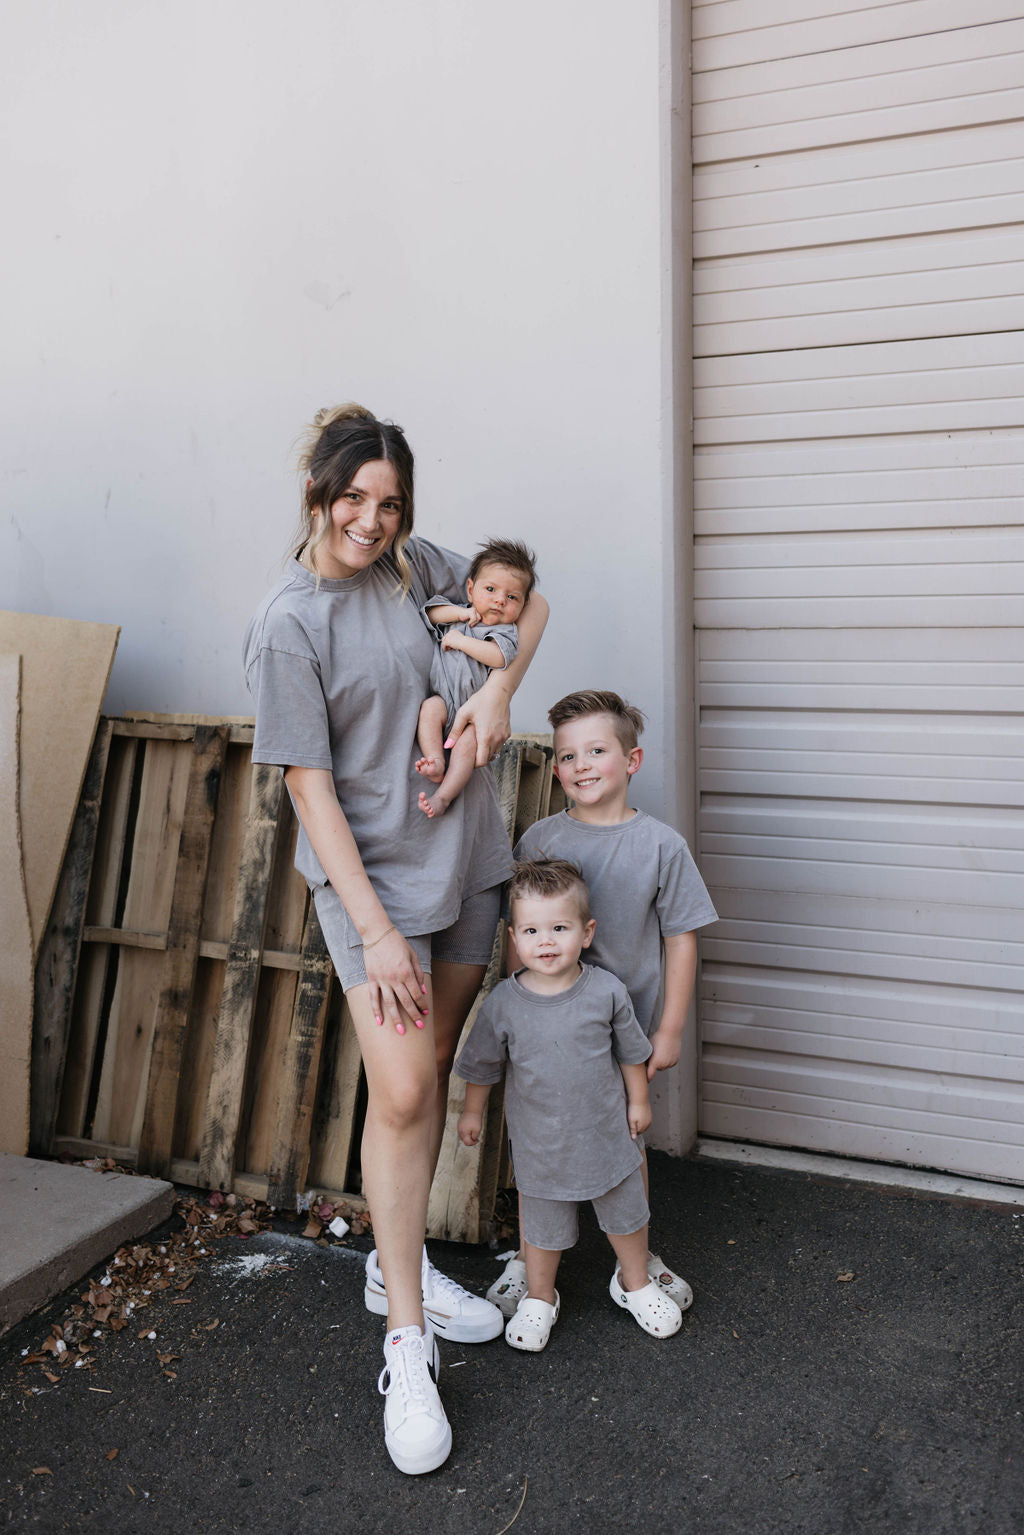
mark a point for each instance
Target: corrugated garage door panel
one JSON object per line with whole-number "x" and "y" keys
{"x": 727, "y": 33}
{"x": 849, "y": 95}
{"x": 859, "y": 266}
{"x": 861, "y": 829}
{"x": 957, "y": 481}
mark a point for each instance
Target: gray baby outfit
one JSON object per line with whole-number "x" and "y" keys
{"x": 338, "y": 673}
{"x": 454, "y": 676}
{"x": 643, "y": 886}
{"x": 565, "y": 1100}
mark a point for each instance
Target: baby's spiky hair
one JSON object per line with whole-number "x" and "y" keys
{"x": 507, "y": 552}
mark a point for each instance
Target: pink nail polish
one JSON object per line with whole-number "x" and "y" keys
{"x": 379, "y": 1020}
{"x": 419, "y": 1023}
{"x": 399, "y": 1028}
{"x": 449, "y": 743}
{"x": 423, "y": 989}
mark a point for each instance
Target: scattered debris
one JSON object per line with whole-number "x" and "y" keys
{"x": 139, "y": 1274}
{"x": 845, "y": 1278}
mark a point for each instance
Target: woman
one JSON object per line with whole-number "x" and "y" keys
{"x": 338, "y": 662}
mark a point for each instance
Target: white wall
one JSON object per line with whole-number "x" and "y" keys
{"x": 221, "y": 216}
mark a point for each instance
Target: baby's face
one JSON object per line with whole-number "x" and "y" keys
{"x": 550, "y": 933}
{"x": 498, "y": 594}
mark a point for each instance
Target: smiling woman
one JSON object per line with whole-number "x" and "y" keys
{"x": 338, "y": 660}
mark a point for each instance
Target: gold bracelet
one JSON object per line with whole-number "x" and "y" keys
{"x": 376, "y": 941}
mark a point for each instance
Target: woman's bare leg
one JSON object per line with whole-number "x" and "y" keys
{"x": 398, "y": 1149}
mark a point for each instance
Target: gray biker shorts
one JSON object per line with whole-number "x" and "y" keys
{"x": 468, "y": 941}
{"x": 554, "y": 1223}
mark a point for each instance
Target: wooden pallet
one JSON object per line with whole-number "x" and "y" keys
{"x": 187, "y": 1016}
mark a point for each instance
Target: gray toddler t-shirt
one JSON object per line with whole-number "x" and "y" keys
{"x": 454, "y": 676}
{"x": 565, "y": 1100}
{"x": 338, "y": 673}
{"x": 643, "y": 886}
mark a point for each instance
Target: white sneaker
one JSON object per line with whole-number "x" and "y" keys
{"x": 452, "y": 1312}
{"x": 509, "y": 1288}
{"x": 416, "y": 1432}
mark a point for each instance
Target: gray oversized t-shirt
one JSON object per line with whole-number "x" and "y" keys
{"x": 643, "y": 886}
{"x": 565, "y": 1099}
{"x": 338, "y": 673}
{"x": 454, "y": 676}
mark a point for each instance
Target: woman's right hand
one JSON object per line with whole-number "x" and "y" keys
{"x": 398, "y": 992}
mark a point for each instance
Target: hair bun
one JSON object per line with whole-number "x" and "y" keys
{"x": 351, "y": 411}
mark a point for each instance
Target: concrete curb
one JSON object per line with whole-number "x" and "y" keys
{"x": 59, "y": 1221}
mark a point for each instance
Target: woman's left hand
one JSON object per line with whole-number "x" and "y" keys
{"x": 487, "y": 711}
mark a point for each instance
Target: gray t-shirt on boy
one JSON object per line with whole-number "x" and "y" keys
{"x": 565, "y": 1100}
{"x": 643, "y": 886}
{"x": 338, "y": 673}
{"x": 454, "y": 676}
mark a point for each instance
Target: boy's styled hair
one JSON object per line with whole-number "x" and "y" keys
{"x": 546, "y": 877}
{"x": 627, "y": 719}
{"x": 507, "y": 552}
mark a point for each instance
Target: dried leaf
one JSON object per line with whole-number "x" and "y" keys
{"x": 113, "y": 1454}
{"x": 41, "y": 1471}
{"x": 209, "y": 1326}
{"x": 53, "y": 1379}
{"x": 845, "y": 1278}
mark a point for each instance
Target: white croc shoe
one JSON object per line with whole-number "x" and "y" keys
{"x": 651, "y": 1308}
{"x": 452, "y": 1312}
{"x": 509, "y": 1288}
{"x": 416, "y": 1432}
{"x": 669, "y": 1283}
{"x": 530, "y": 1327}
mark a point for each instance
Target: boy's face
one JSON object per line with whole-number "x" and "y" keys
{"x": 591, "y": 763}
{"x": 550, "y": 934}
{"x": 498, "y": 594}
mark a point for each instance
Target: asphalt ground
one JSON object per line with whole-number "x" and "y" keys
{"x": 852, "y": 1363}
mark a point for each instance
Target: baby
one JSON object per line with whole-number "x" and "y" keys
{"x": 567, "y": 1040}
{"x": 476, "y": 639}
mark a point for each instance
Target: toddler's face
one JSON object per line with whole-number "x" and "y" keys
{"x": 498, "y": 594}
{"x": 550, "y": 933}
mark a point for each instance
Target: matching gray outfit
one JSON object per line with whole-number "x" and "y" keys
{"x": 643, "y": 885}
{"x": 338, "y": 672}
{"x": 565, "y": 1099}
{"x": 454, "y": 676}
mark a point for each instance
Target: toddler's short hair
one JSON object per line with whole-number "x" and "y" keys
{"x": 546, "y": 877}
{"x": 627, "y": 719}
{"x": 507, "y": 552}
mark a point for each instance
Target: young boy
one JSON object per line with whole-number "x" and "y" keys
{"x": 567, "y": 1040}
{"x": 645, "y": 891}
{"x": 476, "y": 639}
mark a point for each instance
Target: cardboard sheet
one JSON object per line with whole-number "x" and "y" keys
{"x": 16, "y": 967}
{"x": 64, "y": 670}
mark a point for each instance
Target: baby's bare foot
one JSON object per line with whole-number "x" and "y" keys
{"x": 433, "y": 807}
{"x": 429, "y": 767}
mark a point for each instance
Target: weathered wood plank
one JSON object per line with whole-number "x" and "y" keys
{"x": 57, "y": 964}
{"x": 97, "y": 967}
{"x": 334, "y": 1123}
{"x": 290, "y": 1156}
{"x": 179, "y": 963}
{"x": 241, "y": 980}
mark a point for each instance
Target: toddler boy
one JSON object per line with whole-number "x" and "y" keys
{"x": 567, "y": 1040}
{"x": 646, "y": 895}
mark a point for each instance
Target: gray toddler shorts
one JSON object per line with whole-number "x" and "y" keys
{"x": 468, "y": 941}
{"x": 554, "y": 1223}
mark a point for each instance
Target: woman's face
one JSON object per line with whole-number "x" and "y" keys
{"x": 363, "y": 522}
